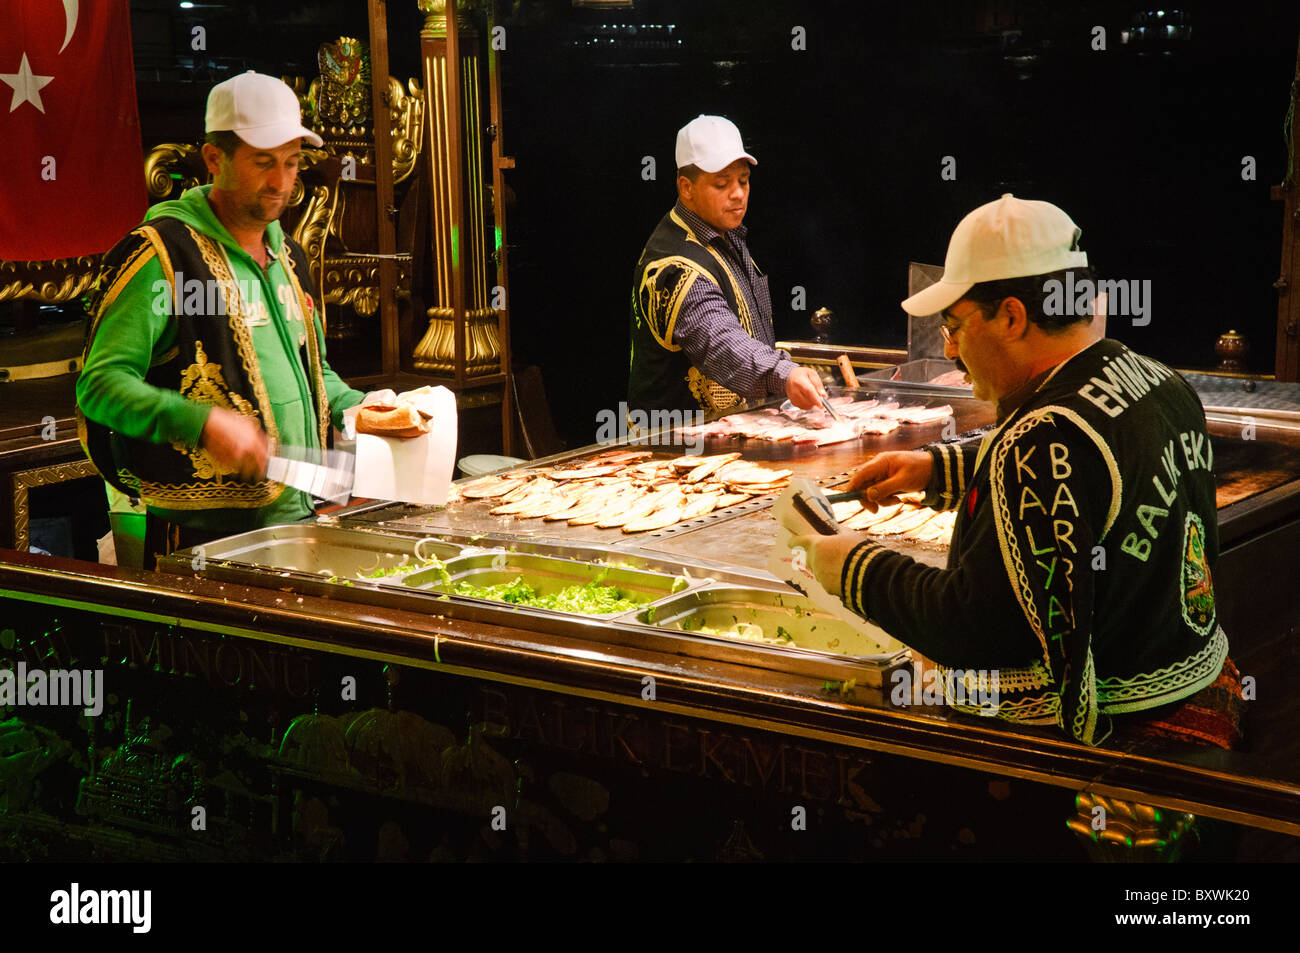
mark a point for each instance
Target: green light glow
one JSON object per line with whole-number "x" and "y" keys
{"x": 455, "y": 247}
{"x": 497, "y": 231}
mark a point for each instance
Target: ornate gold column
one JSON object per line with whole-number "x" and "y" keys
{"x": 460, "y": 292}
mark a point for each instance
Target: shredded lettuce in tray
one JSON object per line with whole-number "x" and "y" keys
{"x": 587, "y": 599}
{"x": 748, "y": 631}
{"x": 433, "y": 562}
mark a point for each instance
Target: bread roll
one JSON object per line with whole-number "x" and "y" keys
{"x": 400, "y": 421}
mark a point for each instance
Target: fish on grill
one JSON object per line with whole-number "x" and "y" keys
{"x": 660, "y": 519}
{"x": 710, "y": 465}
{"x": 651, "y": 516}
{"x": 689, "y": 462}
{"x": 586, "y": 473}
{"x": 699, "y": 505}
{"x": 634, "y": 510}
{"x": 596, "y": 510}
{"x": 744, "y": 473}
{"x": 489, "y": 487}
{"x": 730, "y": 499}
{"x": 531, "y": 494}
{"x": 916, "y": 415}
{"x": 763, "y": 490}
{"x": 937, "y": 530}
{"x": 650, "y": 470}
{"x": 551, "y": 500}
{"x": 838, "y": 433}
{"x": 481, "y": 482}
{"x": 866, "y": 518}
{"x": 910, "y": 518}
{"x": 584, "y": 497}
{"x": 629, "y": 488}
{"x": 877, "y": 425}
{"x": 524, "y": 489}
{"x": 844, "y": 509}
{"x": 621, "y": 457}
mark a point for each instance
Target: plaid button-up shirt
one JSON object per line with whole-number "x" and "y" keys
{"x": 710, "y": 332}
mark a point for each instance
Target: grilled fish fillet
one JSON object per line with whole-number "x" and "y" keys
{"x": 596, "y": 510}
{"x": 710, "y": 465}
{"x": 937, "y": 530}
{"x": 660, "y": 519}
{"x": 586, "y": 498}
{"x": 699, "y": 505}
{"x": 586, "y": 473}
{"x": 532, "y": 494}
{"x": 550, "y": 501}
{"x": 730, "y": 499}
{"x": 845, "y": 509}
{"x": 910, "y": 519}
{"x": 670, "y": 498}
{"x": 524, "y": 489}
{"x": 634, "y": 509}
{"x": 479, "y": 490}
{"x": 866, "y": 518}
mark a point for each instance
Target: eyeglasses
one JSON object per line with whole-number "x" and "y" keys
{"x": 948, "y": 330}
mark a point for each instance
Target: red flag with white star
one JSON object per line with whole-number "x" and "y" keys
{"x": 69, "y": 128}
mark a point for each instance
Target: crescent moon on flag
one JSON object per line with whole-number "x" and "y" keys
{"x": 70, "y": 13}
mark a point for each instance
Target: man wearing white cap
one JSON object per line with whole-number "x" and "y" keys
{"x": 702, "y": 334}
{"x": 1086, "y": 532}
{"x": 204, "y": 338}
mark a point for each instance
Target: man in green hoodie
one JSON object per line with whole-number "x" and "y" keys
{"x": 204, "y": 343}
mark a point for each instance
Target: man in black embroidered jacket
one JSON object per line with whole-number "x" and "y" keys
{"x": 702, "y": 335}
{"x": 1080, "y": 566}
{"x": 205, "y": 339}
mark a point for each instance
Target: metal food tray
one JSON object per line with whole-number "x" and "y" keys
{"x": 548, "y": 575}
{"x": 914, "y": 376}
{"x": 315, "y": 559}
{"x": 311, "y": 549}
{"x": 811, "y": 628}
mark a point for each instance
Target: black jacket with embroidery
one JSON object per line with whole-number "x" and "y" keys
{"x": 214, "y": 362}
{"x": 661, "y": 375}
{"x": 1081, "y": 558}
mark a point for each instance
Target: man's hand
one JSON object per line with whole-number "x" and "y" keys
{"x": 890, "y": 473}
{"x": 826, "y": 556}
{"x": 237, "y": 442}
{"x": 805, "y": 388}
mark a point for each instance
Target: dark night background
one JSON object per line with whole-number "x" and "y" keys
{"x": 1141, "y": 143}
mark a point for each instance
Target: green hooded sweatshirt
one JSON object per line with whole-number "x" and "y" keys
{"x": 133, "y": 334}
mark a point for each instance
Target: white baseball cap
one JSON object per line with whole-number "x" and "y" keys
{"x": 261, "y": 109}
{"x": 710, "y": 143}
{"x": 1009, "y": 238}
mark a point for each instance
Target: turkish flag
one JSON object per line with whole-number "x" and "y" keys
{"x": 73, "y": 180}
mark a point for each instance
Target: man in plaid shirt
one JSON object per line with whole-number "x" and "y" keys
{"x": 702, "y": 332}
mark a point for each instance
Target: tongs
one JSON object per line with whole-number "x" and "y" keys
{"x": 835, "y": 414}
